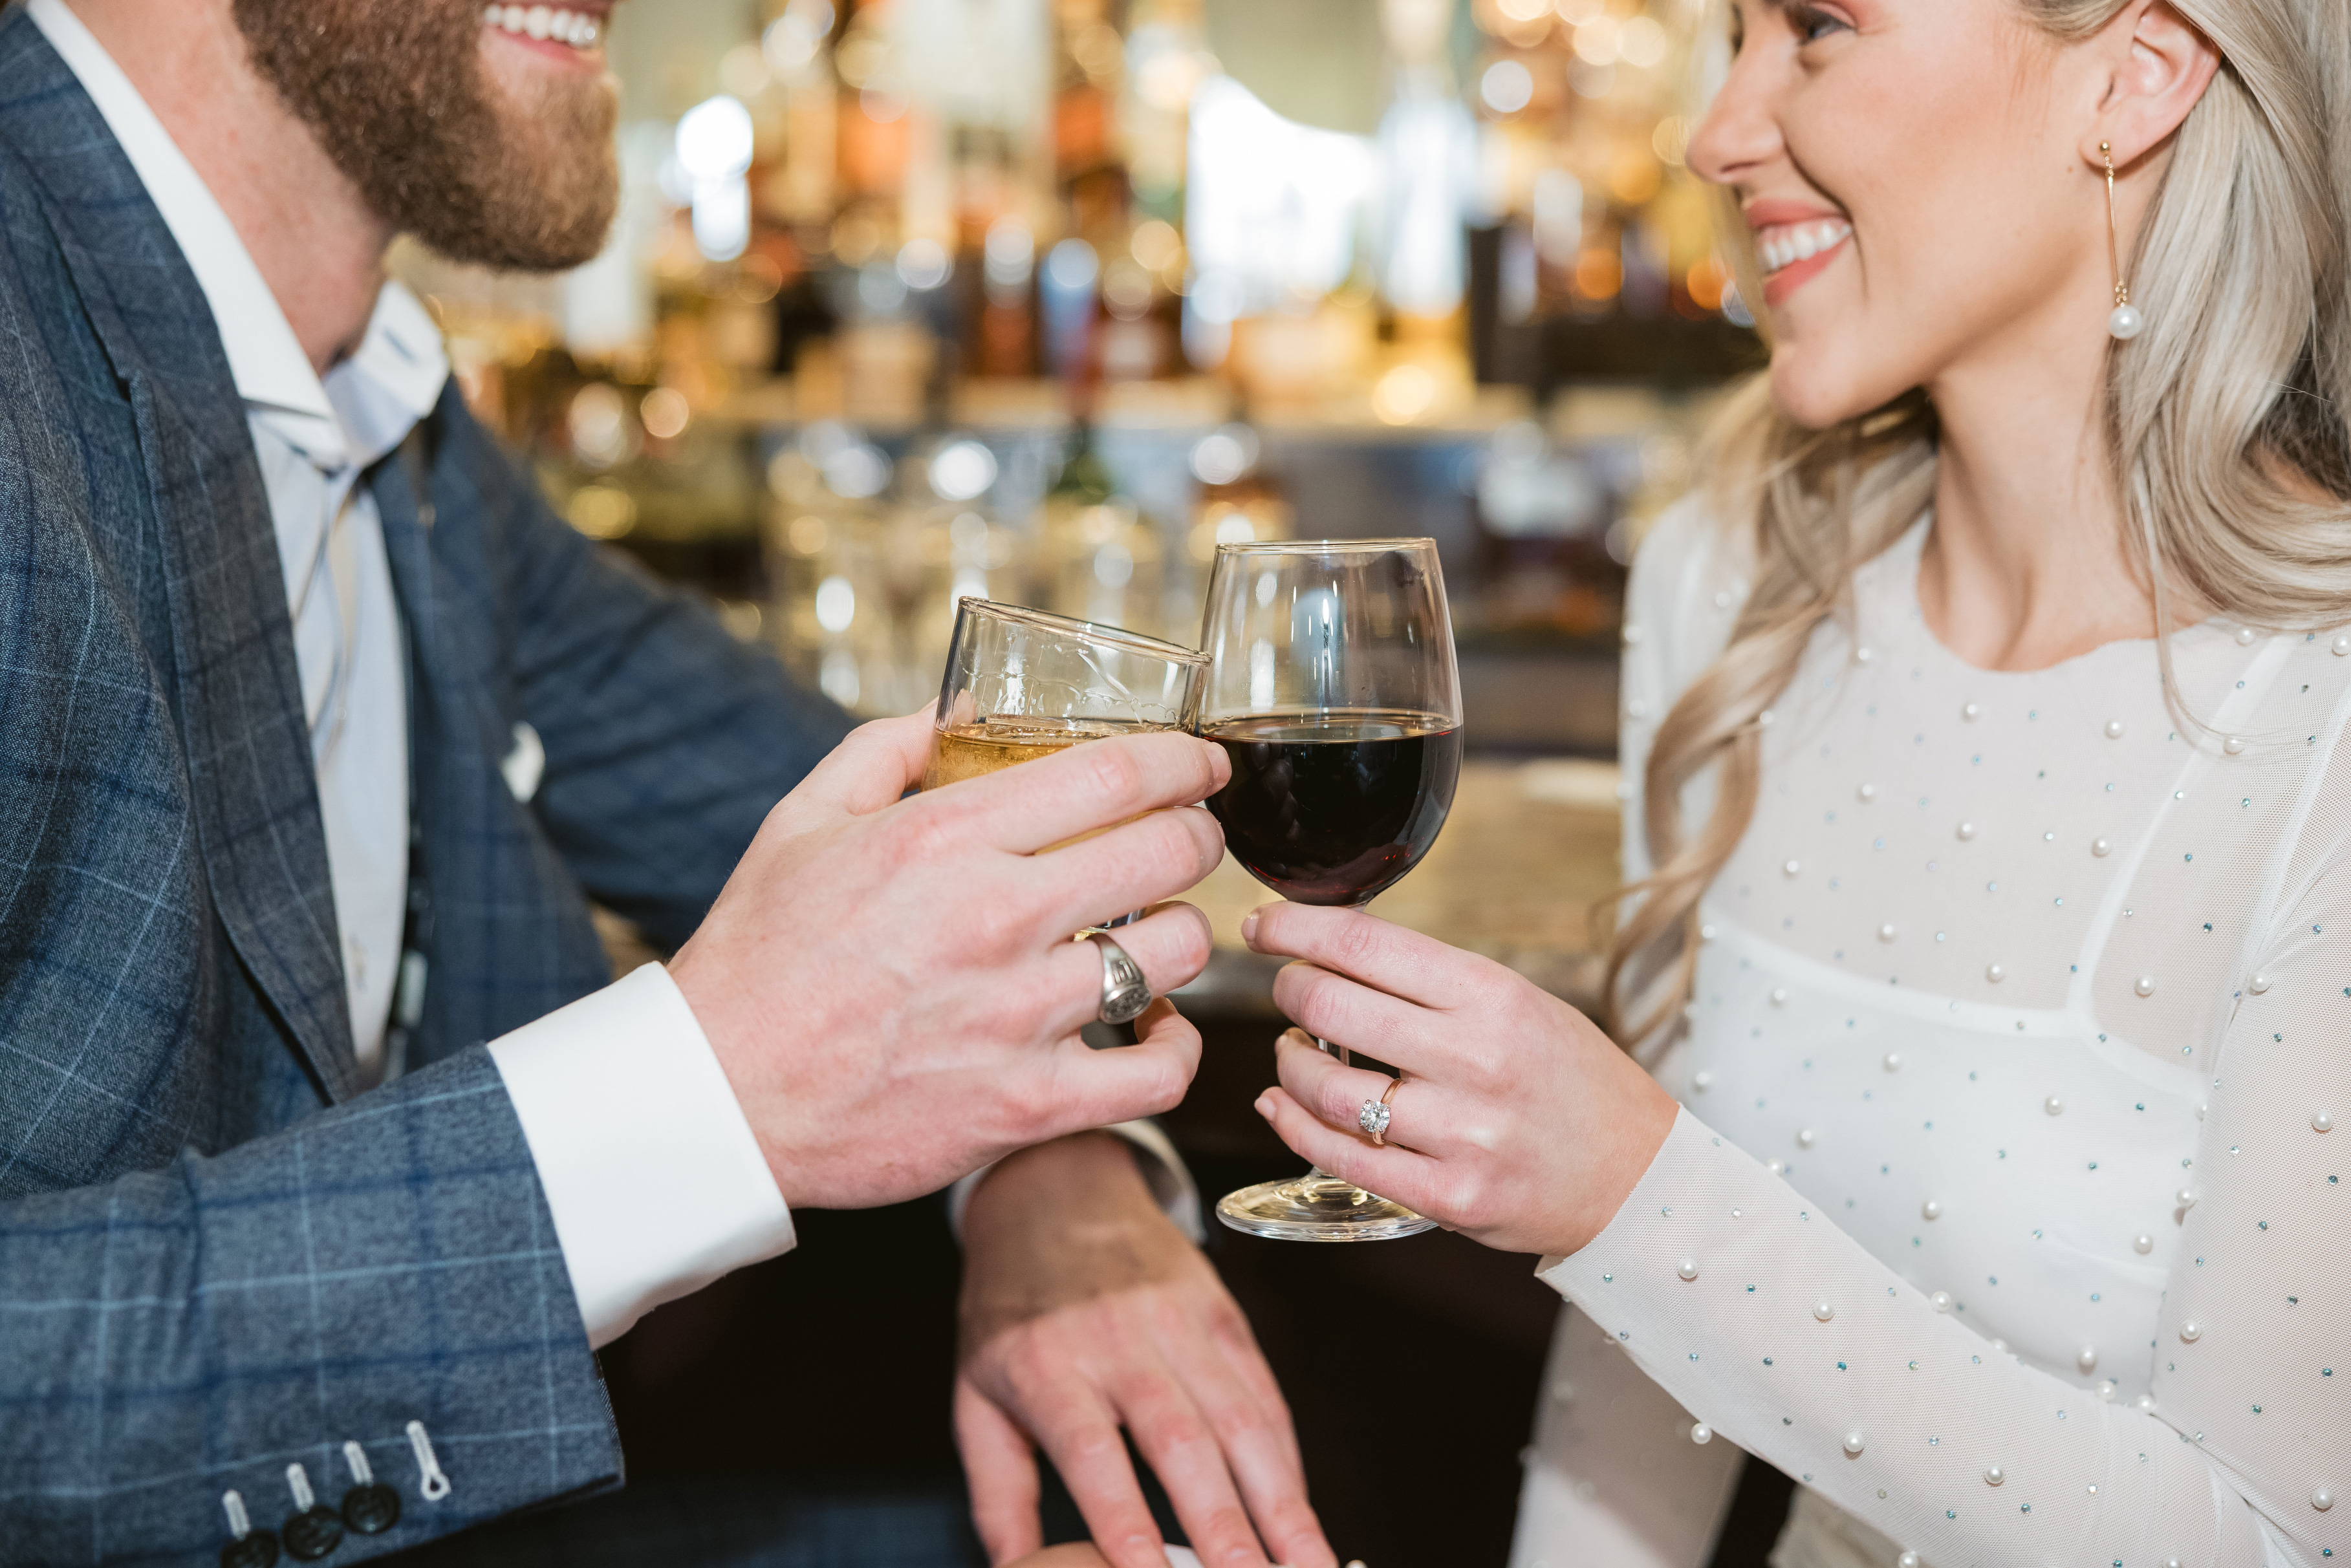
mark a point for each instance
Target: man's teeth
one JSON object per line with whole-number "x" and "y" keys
{"x": 573, "y": 28}
{"x": 1785, "y": 246}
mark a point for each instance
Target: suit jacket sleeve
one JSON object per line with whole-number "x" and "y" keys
{"x": 177, "y": 1333}
{"x": 667, "y": 739}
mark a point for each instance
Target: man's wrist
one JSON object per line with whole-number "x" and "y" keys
{"x": 1150, "y": 1155}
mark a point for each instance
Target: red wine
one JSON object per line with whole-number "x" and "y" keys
{"x": 1332, "y": 807}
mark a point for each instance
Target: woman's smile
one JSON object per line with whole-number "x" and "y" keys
{"x": 1795, "y": 242}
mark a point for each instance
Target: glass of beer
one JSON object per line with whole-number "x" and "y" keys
{"x": 1021, "y": 684}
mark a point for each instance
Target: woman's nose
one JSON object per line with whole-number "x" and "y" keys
{"x": 1740, "y": 132}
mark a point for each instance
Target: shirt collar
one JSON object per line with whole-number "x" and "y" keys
{"x": 400, "y": 366}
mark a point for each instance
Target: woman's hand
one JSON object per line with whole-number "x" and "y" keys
{"x": 1518, "y": 1121}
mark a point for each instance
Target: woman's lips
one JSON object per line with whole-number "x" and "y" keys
{"x": 1794, "y": 253}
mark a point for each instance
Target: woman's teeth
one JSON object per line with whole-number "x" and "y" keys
{"x": 1785, "y": 245}
{"x": 572, "y": 27}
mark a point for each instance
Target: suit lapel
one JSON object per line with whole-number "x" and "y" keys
{"x": 238, "y": 688}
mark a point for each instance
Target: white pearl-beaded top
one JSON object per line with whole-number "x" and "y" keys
{"x": 2109, "y": 1150}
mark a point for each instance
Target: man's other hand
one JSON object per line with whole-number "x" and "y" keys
{"x": 891, "y": 986}
{"x": 1084, "y": 1310}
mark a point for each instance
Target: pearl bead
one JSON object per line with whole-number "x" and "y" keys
{"x": 2321, "y": 1122}
{"x": 2102, "y": 847}
{"x": 1722, "y": 598}
{"x": 1907, "y": 1559}
{"x": 2258, "y": 984}
{"x": 1776, "y": 1166}
{"x": 2191, "y": 1331}
{"x": 2125, "y": 323}
{"x": 2171, "y": 1563}
{"x": 1686, "y": 1268}
{"x": 1824, "y": 1311}
{"x": 2234, "y": 745}
{"x": 2053, "y": 1106}
{"x": 1867, "y": 792}
{"x": 1632, "y": 635}
{"x": 1701, "y": 1434}
{"x": 1971, "y": 712}
{"x": 1864, "y": 655}
{"x": 1886, "y": 933}
{"x": 1853, "y": 1443}
{"x": 2322, "y": 1500}
{"x": 2184, "y": 1199}
{"x": 1804, "y": 1138}
{"x": 1995, "y": 973}
{"x": 1932, "y": 1208}
{"x": 1998, "y": 1343}
{"x": 2142, "y": 1244}
{"x": 2341, "y": 645}
{"x": 1793, "y": 867}
{"x": 2145, "y": 985}
{"x": 1894, "y": 1061}
{"x": 2106, "y": 1394}
{"x": 2245, "y": 635}
{"x": 1702, "y": 1082}
{"x": 1706, "y": 932}
{"x": 2087, "y": 1358}
{"x": 1636, "y": 709}
{"x": 2145, "y": 1402}
{"x": 1778, "y": 996}
{"x": 1967, "y": 831}
{"x": 2114, "y": 729}
{"x": 1940, "y": 1300}
{"x": 1993, "y": 1476}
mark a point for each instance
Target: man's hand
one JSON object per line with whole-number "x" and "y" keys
{"x": 890, "y": 985}
{"x": 1084, "y": 1310}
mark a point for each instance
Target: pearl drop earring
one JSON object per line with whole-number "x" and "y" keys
{"x": 2123, "y": 322}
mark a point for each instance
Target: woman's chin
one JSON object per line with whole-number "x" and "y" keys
{"x": 1818, "y": 389}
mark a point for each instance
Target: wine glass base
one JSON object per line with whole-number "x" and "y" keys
{"x": 1318, "y": 1208}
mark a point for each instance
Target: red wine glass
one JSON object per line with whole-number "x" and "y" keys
{"x": 1332, "y": 686}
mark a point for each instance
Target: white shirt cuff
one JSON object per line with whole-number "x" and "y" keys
{"x": 1164, "y": 1171}
{"x": 656, "y": 1181}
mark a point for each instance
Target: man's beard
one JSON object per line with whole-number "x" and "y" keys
{"x": 397, "y": 93}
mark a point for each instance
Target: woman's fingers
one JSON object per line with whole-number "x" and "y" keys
{"x": 1395, "y": 1172}
{"x": 1402, "y": 964}
{"x": 1336, "y": 1094}
{"x": 1348, "y": 1013}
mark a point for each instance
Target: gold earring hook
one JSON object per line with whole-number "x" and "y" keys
{"x": 2114, "y": 240}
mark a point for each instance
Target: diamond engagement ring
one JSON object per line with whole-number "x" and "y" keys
{"x": 1374, "y": 1117}
{"x": 1125, "y": 994}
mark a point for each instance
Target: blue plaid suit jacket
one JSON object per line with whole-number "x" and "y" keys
{"x": 216, "y": 1258}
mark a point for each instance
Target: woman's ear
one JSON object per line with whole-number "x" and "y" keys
{"x": 2156, "y": 66}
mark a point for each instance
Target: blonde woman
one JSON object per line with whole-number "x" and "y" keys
{"x": 1991, "y": 839}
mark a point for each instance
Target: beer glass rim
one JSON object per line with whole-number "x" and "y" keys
{"x": 1323, "y": 547}
{"x": 1094, "y": 631}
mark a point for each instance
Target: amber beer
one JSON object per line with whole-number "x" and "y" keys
{"x": 973, "y": 751}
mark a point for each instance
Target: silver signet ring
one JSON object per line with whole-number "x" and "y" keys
{"x": 1125, "y": 993}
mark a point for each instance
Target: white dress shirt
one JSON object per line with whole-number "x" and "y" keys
{"x": 2008, "y": 1210}
{"x": 652, "y": 1176}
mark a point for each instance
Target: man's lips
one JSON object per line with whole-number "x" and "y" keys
{"x": 575, "y": 29}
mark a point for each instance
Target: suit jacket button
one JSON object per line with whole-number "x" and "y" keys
{"x": 256, "y": 1549}
{"x": 372, "y": 1508}
{"x": 312, "y": 1533}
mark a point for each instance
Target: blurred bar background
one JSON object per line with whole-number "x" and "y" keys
{"x": 1041, "y": 299}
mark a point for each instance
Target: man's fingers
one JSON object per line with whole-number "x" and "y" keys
{"x": 1002, "y": 1473}
{"x": 1130, "y": 866}
{"x": 1183, "y": 1451}
{"x": 1094, "y": 785}
{"x": 1170, "y": 945}
{"x": 1335, "y": 1095}
{"x": 1392, "y": 1172}
{"x": 1260, "y": 1450}
{"x": 878, "y": 762}
{"x": 1080, "y": 1435}
{"x": 1401, "y": 962}
{"x": 1091, "y": 1088}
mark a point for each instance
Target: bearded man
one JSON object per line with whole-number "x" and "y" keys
{"x": 328, "y": 1155}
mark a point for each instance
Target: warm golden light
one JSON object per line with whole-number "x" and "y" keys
{"x": 1403, "y": 395}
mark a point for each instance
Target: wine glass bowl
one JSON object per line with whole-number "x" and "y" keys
{"x": 1332, "y": 688}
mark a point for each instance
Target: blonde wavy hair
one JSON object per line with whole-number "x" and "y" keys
{"x": 2224, "y": 422}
